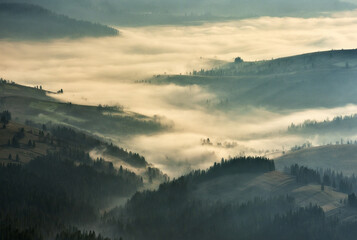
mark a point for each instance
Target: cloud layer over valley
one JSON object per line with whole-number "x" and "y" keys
{"x": 106, "y": 70}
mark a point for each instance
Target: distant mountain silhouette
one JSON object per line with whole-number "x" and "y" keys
{"x": 143, "y": 12}
{"x": 27, "y": 21}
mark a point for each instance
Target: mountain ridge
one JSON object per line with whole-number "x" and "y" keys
{"x": 24, "y": 21}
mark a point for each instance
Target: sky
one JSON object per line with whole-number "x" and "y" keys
{"x": 104, "y": 70}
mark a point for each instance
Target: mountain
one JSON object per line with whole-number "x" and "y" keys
{"x": 141, "y": 12}
{"x": 22, "y": 21}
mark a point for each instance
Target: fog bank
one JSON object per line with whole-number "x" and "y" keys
{"x": 104, "y": 70}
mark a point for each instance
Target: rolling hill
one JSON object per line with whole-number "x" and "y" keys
{"x": 321, "y": 79}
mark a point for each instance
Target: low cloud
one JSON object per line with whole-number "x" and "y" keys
{"x": 103, "y": 70}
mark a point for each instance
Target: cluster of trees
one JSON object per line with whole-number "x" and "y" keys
{"x": 31, "y": 143}
{"x": 17, "y": 158}
{"x": 9, "y": 231}
{"x": 238, "y": 165}
{"x": 155, "y": 173}
{"x": 327, "y": 177}
{"x": 131, "y": 158}
{"x": 305, "y": 175}
{"x": 352, "y": 200}
{"x": 75, "y": 234}
{"x": 155, "y": 215}
{"x": 303, "y": 146}
{"x": 4, "y": 81}
{"x": 108, "y": 108}
{"x": 65, "y": 135}
{"x": 15, "y": 141}
{"x": 337, "y": 124}
{"x": 206, "y": 142}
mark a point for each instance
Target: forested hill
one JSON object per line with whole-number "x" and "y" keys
{"x": 49, "y": 181}
{"x": 22, "y": 21}
{"x": 199, "y": 206}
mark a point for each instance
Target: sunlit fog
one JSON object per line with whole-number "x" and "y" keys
{"x": 110, "y": 70}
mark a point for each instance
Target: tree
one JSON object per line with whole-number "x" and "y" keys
{"x": 326, "y": 180}
{"x": 5, "y": 117}
{"x": 238, "y": 60}
{"x": 15, "y": 142}
{"x": 352, "y": 200}
{"x": 10, "y": 156}
{"x": 17, "y": 158}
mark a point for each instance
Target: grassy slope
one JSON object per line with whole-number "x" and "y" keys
{"x": 25, "y": 152}
{"x": 26, "y": 103}
{"x": 337, "y": 157}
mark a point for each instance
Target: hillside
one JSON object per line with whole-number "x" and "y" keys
{"x": 36, "y": 106}
{"x": 48, "y": 181}
{"x": 26, "y": 142}
{"x": 339, "y": 125}
{"x": 22, "y": 21}
{"x": 337, "y": 157}
{"x": 245, "y": 187}
{"x": 247, "y": 201}
{"x": 24, "y": 150}
{"x": 321, "y": 79}
{"x": 245, "y": 191}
